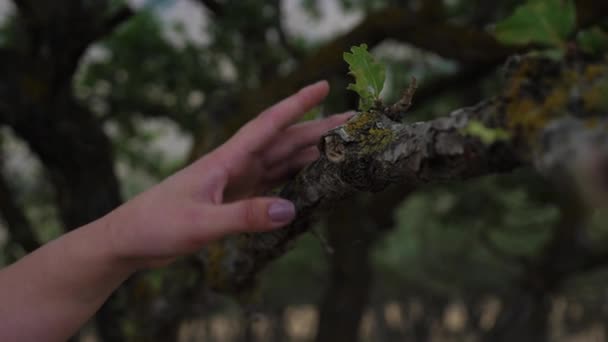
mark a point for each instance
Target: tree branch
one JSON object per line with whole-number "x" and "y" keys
{"x": 459, "y": 43}
{"x": 371, "y": 152}
{"x": 419, "y": 153}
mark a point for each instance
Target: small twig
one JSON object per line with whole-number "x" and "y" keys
{"x": 398, "y": 110}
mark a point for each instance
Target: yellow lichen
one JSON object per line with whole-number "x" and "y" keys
{"x": 359, "y": 123}
{"x": 376, "y": 139}
{"x": 596, "y": 97}
{"x": 527, "y": 115}
{"x": 371, "y": 138}
{"x": 518, "y": 78}
{"x": 556, "y": 100}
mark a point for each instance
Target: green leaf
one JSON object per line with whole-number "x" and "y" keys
{"x": 369, "y": 75}
{"x": 487, "y": 135}
{"x": 547, "y": 22}
{"x": 593, "y": 41}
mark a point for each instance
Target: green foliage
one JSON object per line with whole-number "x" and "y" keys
{"x": 369, "y": 76}
{"x": 438, "y": 246}
{"x": 297, "y": 277}
{"x": 486, "y": 134}
{"x": 546, "y": 22}
{"x": 593, "y": 41}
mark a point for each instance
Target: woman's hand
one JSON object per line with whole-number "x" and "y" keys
{"x": 50, "y": 293}
{"x": 212, "y": 197}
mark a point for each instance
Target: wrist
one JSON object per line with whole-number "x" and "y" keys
{"x": 109, "y": 247}
{"x": 126, "y": 235}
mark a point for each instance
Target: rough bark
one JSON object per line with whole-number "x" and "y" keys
{"x": 414, "y": 154}
{"x": 36, "y": 102}
{"x": 541, "y": 103}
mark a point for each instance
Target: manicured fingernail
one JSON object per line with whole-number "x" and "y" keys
{"x": 318, "y": 83}
{"x": 281, "y": 211}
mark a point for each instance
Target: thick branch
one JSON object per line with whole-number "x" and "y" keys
{"x": 419, "y": 153}
{"x": 370, "y": 152}
{"x": 462, "y": 44}
{"x": 451, "y": 41}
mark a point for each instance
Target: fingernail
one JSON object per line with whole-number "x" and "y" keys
{"x": 318, "y": 83}
{"x": 281, "y": 211}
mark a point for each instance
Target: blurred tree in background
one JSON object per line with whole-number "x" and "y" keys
{"x": 99, "y": 100}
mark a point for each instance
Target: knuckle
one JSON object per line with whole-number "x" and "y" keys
{"x": 251, "y": 218}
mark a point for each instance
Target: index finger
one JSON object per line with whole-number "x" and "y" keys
{"x": 261, "y": 130}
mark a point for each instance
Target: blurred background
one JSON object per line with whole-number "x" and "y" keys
{"x": 101, "y": 99}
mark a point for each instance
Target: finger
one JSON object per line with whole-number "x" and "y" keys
{"x": 302, "y": 135}
{"x": 263, "y": 129}
{"x": 251, "y": 215}
{"x": 282, "y": 171}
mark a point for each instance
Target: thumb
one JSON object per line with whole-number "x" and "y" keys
{"x": 254, "y": 214}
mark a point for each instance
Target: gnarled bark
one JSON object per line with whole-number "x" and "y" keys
{"x": 372, "y": 151}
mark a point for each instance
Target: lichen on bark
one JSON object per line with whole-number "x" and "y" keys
{"x": 541, "y": 102}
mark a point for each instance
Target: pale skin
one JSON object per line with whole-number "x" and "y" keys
{"x": 49, "y": 294}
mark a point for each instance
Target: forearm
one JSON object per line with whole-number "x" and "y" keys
{"x": 50, "y": 293}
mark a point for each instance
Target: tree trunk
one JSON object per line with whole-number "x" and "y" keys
{"x": 78, "y": 158}
{"x": 523, "y": 317}
{"x": 350, "y": 275}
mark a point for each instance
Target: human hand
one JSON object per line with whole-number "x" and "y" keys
{"x": 212, "y": 197}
